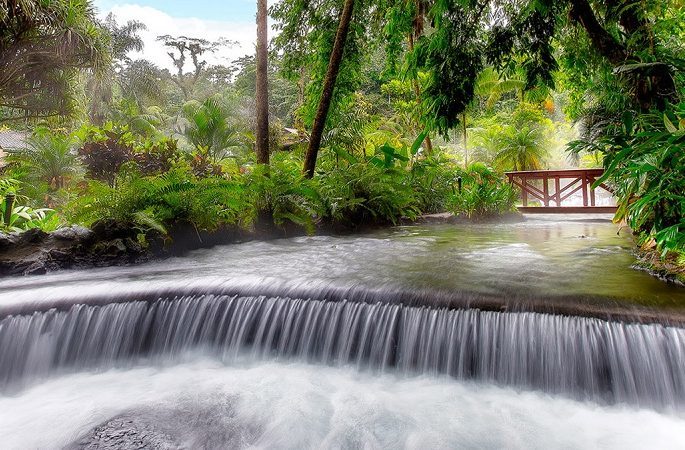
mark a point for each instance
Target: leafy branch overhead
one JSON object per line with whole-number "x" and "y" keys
{"x": 43, "y": 46}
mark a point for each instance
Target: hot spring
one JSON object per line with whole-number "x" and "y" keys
{"x": 528, "y": 335}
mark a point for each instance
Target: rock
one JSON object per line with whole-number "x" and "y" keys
{"x": 73, "y": 233}
{"x": 105, "y": 230}
{"x": 36, "y": 252}
{"x": 125, "y": 433}
{"x": 61, "y": 258}
{"x": 118, "y": 244}
{"x": 6, "y": 241}
{"x": 37, "y": 268}
{"x": 32, "y": 236}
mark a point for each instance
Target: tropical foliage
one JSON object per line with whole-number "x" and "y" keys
{"x": 645, "y": 163}
{"x": 374, "y": 111}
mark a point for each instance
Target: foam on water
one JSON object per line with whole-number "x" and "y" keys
{"x": 297, "y": 406}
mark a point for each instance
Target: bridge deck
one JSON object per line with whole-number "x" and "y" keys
{"x": 567, "y": 209}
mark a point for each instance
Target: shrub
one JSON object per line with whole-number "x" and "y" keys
{"x": 484, "y": 193}
{"x": 48, "y": 159}
{"x": 434, "y": 181}
{"x": 645, "y": 162}
{"x": 364, "y": 192}
{"x": 104, "y": 152}
{"x": 23, "y": 217}
{"x": 156, "y": 157}
{"x": 156, "y": 202}
{"x": 284, "y": 192}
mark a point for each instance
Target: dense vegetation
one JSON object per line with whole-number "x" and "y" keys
{"x": 365, "y": 112}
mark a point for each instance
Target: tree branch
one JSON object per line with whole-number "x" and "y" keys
{"x": 581, "y": 12}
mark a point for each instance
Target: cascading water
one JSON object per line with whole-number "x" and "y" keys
{"x": 488, "y": 336}
{"x": 581, "y": 357}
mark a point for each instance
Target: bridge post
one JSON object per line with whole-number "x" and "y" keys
{"x": 584, "y": 188}
{"x": 557, "y": 190}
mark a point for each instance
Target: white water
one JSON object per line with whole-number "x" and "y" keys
{"x": 278, "y": 401}
{"x": 296, "y": 406}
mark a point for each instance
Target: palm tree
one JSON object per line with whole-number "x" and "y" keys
{"x": 123, "y": 39}
{"x": 49, "y": 158}
{"x": 262, "y": 85}
{"x": 492, "y": 86}
{"x": 144, "y": 122}
{"x": 523, "y": 148}
{"x": 43, "y": 46}
{"x": 208, "y": 128}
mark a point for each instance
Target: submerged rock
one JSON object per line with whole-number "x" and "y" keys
{"x": 183, "y": 423}
{"x": 125, "y": 432}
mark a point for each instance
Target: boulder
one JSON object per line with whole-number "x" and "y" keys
{"x": 72, "y": 233}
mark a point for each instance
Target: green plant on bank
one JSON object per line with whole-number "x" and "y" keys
{"x": 484, "y": 193}
{"x": 513, "y": 139}
{"x": 211, "y": 130}
{"x": 152, "y": 185}
{"x": 23, "y": 217}
{"x": 375, "y": 190}
{"x": 49, "y": 158}
{"x": 157, "y": 202}
{"x": 521, "y": 148}
{"x": 434, "y": 180}
{"x": 645, "y": 164}
{"x": 284, "y": 193}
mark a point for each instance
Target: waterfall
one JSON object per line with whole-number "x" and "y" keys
{"x": 584, "y": 358}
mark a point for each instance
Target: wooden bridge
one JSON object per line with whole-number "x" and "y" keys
{"x": 552, "y": 187}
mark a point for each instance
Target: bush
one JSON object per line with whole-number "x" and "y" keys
{"x": 434, "y": 181}
{"x": 156, "y": 202}
{"x": 484, "y": 193}
{"x": 645, "y": 162}
{"x": 23, "y": 217}
{"x": 104, "y": 151}
{"x": 156, "y": 157}
{"x": 284, "y": 192}
{"x": 364, "y": 192}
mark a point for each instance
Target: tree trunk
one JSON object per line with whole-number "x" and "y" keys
{"x": 466, "y": 148}
{"x": 262, "y": 88}
{"x": 328, "y": 87}
{"x": 417, "y": 94}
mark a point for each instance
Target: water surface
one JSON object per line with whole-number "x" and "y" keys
{"x": 544, "y": 257}
{"x": 237, "y": 346}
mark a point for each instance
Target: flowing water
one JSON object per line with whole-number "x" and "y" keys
{"x": 479, "y": 336}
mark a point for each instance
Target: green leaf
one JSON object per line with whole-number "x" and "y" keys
{"x": 417, "y": 143}
{"x": 628, "y": 122}
{"x": 669, "y": 125}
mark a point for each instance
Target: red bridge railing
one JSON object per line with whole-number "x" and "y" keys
{"x": 552, "y": 187}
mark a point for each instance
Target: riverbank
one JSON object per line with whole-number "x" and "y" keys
{"x": 668, "y": 269}
{"x": 109, "y": 243}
